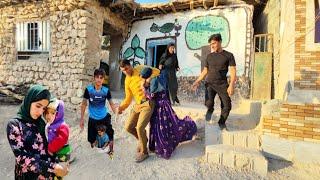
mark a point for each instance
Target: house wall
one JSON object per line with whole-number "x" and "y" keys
{"x": 278, "y": 19}
{"x": 76, "y": 30}
{"x": 307, "y": 53}
{"x": 238, "y": 20}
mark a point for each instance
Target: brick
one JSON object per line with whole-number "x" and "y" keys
{"x": 276, "y": 125}
{"x": 307, "y": 107}
{"x": 291, "y": 113}
{"x": 289, "y": 106}
{"x": 312, "y": 119}
{"x": 295, "y": 131}
{"x": 295, "y": 124}
{"x": 283, "y": 136}
{"x": 312, "y": 140}
{"x": 228, "y": 159}
{"x": 307, "y": 136}
{"x": 296, "y": 117}
{"x": 316, "y": 137}
{"x": 287, "y": 119}
{"x": 316, "y": 129}
{"x": 271, "y": 121}
{"x": 309, "y": 111}
{"x": 267, "y": 127}
{"x": 295, "y": 138}
{"x": 283, "y": 129}
{"x": 260, "y": 165}
{"x": 304, "y": 128}
{"x": 309, "y": 125}
{"x": 283, "y": 122}
{"x": 311, "y": 133}
{"x": 214, "y": 158}
{"x": 242, "y": 161}
{"x": 296, "y": 110}
{"x": 266, "y": 124}
{"x": 287, "y": 133}
{"x": 275, "y": 131}
{"x": 284, "y": 109}
{"x": 305, "y": 114}
{"x": 287, "y": 126}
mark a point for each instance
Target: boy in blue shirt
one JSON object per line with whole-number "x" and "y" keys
{"x": 102, "y": 140}
{"x": 97, "y": 95}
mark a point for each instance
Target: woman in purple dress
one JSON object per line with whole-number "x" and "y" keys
{"x": 166, "y": 129}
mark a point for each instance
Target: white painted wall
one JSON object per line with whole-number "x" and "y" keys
{"x": 190, "y": 66}
{"x": 287, "y": 51}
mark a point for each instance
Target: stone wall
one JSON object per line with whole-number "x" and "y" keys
{"x": 296, "y": 121}
{"x": 185, "y": 94}
{"x": 76, "y": 28}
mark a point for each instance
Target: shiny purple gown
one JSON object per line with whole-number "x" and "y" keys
{"x": 166, "y": 129}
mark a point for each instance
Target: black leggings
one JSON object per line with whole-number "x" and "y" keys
{"x": 92, "y": 128}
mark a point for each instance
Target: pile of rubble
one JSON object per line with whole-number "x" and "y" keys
{"x": 12, "y": 94}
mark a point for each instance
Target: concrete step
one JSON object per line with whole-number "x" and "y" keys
{"x": 236, "y": 157}
{"x": 244, "y": 139}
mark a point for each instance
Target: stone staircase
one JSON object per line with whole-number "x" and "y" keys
{"x": 239, "y": 149}
{"x": 240, "y": 146}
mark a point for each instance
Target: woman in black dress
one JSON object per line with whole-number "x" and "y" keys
{"x": 169, "y": 63}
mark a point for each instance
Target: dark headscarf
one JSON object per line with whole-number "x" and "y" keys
{"x": 146, "y": 72}
{"x": 168, "y": 54}
{"x": 34, "y": 94}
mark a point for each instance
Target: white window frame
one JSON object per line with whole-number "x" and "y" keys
{"x": 23, "y": 42}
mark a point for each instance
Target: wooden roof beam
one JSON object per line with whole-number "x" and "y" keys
{"x": 162, "y": 10}
{"x": 204, "y": 4}
{"x": 215, "y": 3}
{"x": 172, "y": 7}
{"x": 191, "y": 5}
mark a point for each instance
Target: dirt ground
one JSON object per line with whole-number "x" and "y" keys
{"x": 186, "y": 163}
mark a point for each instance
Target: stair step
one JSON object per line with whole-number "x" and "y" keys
{"x": 244, "y": 139}
{"x": 236, "y": 157}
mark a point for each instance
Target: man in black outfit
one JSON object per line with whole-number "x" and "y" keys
{"x": 216, "y": 67}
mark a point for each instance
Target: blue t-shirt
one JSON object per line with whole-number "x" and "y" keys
{"x": 97, "y": 101}
{"x": 102, "y": 140}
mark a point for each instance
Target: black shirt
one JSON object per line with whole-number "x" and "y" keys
{"x": 218, "y": 64}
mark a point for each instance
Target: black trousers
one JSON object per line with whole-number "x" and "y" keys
{"x": 221, "y": 90}
{"x": 92, "y": 128}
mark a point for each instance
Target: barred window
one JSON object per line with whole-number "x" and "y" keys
{"x": 32, "y": 38}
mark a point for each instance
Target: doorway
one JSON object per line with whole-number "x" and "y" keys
{"x": 156, "y": 47}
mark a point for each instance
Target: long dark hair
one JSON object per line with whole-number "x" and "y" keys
{"x": 167, "y": 50}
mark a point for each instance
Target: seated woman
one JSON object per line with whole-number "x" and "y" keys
{"x": 166, "y": 129}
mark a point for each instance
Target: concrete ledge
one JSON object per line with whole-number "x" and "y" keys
{"x": 236, "y": 157}
{"x": 290, "y": 150}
